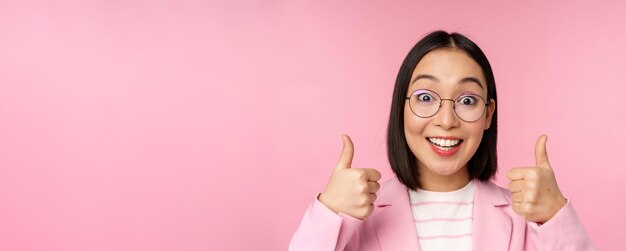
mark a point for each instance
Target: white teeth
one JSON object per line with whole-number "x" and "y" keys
{"x": 444, "y": 142}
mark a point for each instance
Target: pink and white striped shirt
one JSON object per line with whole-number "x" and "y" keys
{"x": 443, "y": 219}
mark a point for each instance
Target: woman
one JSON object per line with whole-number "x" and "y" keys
{"x": 441, "y": 144}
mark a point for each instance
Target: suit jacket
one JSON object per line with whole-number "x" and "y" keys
{"x": 391, "y": 227}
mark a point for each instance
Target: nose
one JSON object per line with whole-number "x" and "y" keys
{"x": 446, "y": 117}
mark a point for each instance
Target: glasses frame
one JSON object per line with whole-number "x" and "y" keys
{"x": 441, "y": 102}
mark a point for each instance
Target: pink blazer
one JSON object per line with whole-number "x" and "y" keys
{"x": 391, "y": 226}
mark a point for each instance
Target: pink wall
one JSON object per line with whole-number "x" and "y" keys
{"x": 185, "y": 125}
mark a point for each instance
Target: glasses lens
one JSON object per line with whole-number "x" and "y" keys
{"x": 470, "y": 107}
{"x": 424, "y": 103}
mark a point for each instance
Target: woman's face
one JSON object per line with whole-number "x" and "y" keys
{"x": 451, "y": 74}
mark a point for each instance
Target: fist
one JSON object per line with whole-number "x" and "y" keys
{"x": 534, "y": 191}
{"x": 351, "y": 191}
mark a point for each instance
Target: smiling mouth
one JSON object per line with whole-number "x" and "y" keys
{"x": 444, "y": 144}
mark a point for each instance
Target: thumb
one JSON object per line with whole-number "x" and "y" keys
{"x": 541, "y": 154}
{"x": 345, "y": 160}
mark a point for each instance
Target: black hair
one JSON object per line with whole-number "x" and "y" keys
{"x": 483, "y": 165}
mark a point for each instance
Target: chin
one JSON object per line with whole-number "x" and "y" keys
{"x": 443, "y": 170}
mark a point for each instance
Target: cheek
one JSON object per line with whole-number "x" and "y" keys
{"x": 476, "y": 130}
{"x": 413, "y": 128}
{"x": 412, "y": 124}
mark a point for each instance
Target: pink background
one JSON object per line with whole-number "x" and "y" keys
{"x": 192, "y": 125}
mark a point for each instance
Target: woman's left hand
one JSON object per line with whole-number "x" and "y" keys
{"x": 534, "y": 191}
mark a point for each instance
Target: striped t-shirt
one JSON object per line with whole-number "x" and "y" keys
{"x": 443, "y": 219}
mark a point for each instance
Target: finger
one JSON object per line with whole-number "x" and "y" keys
{"x": 347, "y": 153}
{"x": 517, "y": 207}
{"x": 517, "y": 197}
{"x": 373, "y": 186}
{"x": 516, "y": 186}
{"x": 372, "y": 198}
{"x": 517, "y": 173}
{"x": 541, "y": 154}
{"x": 372, "y": 174}
{"x": 369, "y": 211}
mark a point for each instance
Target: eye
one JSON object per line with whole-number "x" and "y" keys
{"x": 425, "y": 98}
{"x": 468, "y": 100}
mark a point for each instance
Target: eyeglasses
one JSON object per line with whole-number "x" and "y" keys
{"x": 425, "y": 103}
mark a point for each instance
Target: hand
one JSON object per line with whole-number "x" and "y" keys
{"x": 534, "y": 191}
{"x": 351, "y": 191}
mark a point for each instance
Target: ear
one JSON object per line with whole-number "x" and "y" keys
{"x": 490, "y": 111}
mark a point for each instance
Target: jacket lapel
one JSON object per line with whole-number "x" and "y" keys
{"x": 492, "y": 227}
{"x": 394, "y": 223}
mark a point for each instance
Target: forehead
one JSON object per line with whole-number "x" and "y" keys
{"x": 449, "y": 67}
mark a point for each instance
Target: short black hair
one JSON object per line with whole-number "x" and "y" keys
{"x": 483, "y": 165}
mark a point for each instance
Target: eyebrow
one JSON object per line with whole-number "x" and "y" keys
{"x": 433, "y": 78}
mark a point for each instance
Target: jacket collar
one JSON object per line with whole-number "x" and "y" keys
{"x": 395, "y": 227}
{"x": 394, "y": 224}
{"x": 492, "y": 226}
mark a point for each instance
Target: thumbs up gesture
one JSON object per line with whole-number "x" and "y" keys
{"x": 351, "y": 191}
{"x": 534, "y": 191}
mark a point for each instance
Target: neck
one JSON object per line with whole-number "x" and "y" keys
{"x": 440, "y": 183}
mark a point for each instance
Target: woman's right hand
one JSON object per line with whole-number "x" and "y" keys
{"x": 351, "y": 191}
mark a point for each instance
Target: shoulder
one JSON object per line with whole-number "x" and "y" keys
{"x": 391, "y": 187}
{"x": 392, "y": 183}
{"x": 490, "y": 192}
{"x": 392, "y": 191}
